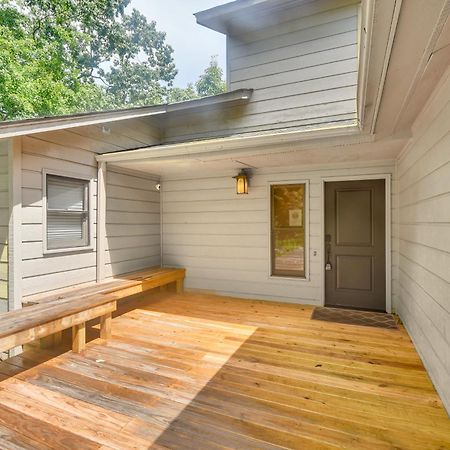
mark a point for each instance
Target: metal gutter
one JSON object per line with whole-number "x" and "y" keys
{"x": 387, "y": 57}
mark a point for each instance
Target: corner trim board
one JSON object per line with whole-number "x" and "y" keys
{"x": 101, "y": 220}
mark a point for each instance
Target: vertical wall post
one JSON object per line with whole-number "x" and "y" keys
{"x": 15, "y": 230}
{"x": 15, "y": 225}
{"x": 101, "y": 220}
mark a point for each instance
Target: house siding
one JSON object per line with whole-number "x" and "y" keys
{"x": 4, "y": 224}
{"x": 133, "y": 239}
{"x": 47, "y": 272}
{"x": 223, "y": 239}
{"x": 70, "y": 153}
{"x": 303, "y": 72}
{"x": 424, "y": 232}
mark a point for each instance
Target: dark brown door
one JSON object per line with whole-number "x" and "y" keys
{"x": 355, "y": 240}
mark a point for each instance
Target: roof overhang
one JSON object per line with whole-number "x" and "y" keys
{"x": 236, "y": 143}
{"x": 248, "y": 15}
{"x": 15, "y": 128}
{"x": 332, "y": 147}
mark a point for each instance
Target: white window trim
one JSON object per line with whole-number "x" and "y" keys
{"x": 75, "y": 176}
{"x": 306, "y": 278}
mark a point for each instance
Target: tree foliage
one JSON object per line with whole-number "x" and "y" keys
{"x": 65, "y": 56}
{"x": 211, "y": 82}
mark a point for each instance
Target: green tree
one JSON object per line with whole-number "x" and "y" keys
{"x": 177, "y": 94}
{"x": 211, "y": 81}
{"x": 62, "y": 56}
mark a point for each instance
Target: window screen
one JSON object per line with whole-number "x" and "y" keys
{"x": 67, "y": 212}
{"x": 288, "y": 230}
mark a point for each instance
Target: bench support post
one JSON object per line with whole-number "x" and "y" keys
{"x": 180, "y": 285}
{"x": 105, "y": 326}
{"x": 79, "y": 337}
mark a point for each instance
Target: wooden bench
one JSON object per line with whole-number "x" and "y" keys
{"x": 123, "y": 285}
{"x": 39, "y": 321}
{"x": 47, "y": 315}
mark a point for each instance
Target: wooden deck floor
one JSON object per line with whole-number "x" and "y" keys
{"x": 204, "y": 372}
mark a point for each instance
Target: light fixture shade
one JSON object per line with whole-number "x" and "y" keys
{"x": 241, "y": 182}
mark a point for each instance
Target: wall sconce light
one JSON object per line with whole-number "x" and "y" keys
{"x": 242, "y": 181}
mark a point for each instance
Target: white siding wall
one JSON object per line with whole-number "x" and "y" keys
{"x": 71, "y": 153}
{"x": 222, "y": 239}
{"x": 304, "y": 73}
{"x": 424, "y": 244}
{"x": 4, "y": 220}
{"x": 132, "y": 222}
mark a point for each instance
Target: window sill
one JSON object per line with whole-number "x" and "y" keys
{"x": 57, "y": 251}
{"x": 305, "y": 279}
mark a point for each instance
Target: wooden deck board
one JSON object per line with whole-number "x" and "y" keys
{"x": 206, "y": 372}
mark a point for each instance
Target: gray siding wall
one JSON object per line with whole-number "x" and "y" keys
{"x": 133, "y": 239}
{"x": 47, "y": 272}
{"x": 4, "y": 221}
{"x": 304, "y": 73}
{"x": 424, "y": 244}
{"x": 222, "y": 239}
{"x": 68, "y": 152}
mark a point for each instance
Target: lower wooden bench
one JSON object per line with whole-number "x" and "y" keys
{"x": 47, "y": 315}
{"x": 39, "y": 321}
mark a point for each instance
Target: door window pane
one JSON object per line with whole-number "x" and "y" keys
{"x": 288, "y": 230}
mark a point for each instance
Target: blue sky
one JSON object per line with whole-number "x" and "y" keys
{"x": 193, "y": 44}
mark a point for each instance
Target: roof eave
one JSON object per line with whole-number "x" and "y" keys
{"x": 348, "y": 133}
{"x": 222, "y": 18}
{"x": 9, "y": 129}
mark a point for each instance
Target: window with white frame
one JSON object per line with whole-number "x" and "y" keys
{"x": 67, "y": 213}
{"x": 288, "y": 236}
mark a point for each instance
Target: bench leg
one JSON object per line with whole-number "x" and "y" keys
{"x": 105, "y": 326}
{"x": 180, "y": 285}
{"x": 79, "y": 337}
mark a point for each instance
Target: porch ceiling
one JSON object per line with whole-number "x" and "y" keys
{"x": 261, "y": 152}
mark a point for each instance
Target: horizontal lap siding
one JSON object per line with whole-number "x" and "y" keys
{"x": 133, "y": 239}
{"x": 223, "y": 239}
{"x": 54, "y": 151}
{"x": 424, "y": 244}
{"x": 4, "y": 221}
{"x": 305, "y": 69}
{"x": 303, "y": 72}
{"x": 133, "y": 223}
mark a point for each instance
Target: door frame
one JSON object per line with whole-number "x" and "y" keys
{"x": 387, "y": 177}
